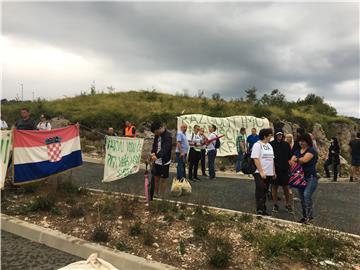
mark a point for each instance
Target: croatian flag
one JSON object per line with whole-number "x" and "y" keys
{"x": 40, "y": 153}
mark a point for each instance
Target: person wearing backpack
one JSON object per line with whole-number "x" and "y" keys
{"x": 307, "y": 157}
{"x": 263, "y": 155}
{"x": 43, "y": 124}
{"x": 212, "y": 147}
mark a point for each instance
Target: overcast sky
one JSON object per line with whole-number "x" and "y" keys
{"x": 59, "y": 49}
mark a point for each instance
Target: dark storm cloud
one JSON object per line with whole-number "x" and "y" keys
{"x": 311, "y": 46}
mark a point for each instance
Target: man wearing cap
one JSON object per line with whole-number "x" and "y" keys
{"x": 43, "y": 124}
{"x": 282, "y": 154}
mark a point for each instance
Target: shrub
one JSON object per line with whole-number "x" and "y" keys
{"x": 162, "y": 206}
{"x": 127, "y": 208}
{"x": 108, "y": 207}
{"x": 200, "y": 227}
{"x": 148, "y": 238}
{"x": 41, "y": 203}
{"x": 182, "y": 248}
{"x": 181, "y": 216}
{"x": 100, "y": 234}
{"x": 76, "y": 212}
{"x": 168, "y": 218}
{"x": 248, "y": 235}
{"x": 135, "y": 229}
{"x": 220, "y": 254}
{"x": 55, "y": 211}
{"x": 120, "y": 245}
{"x": 246, "y": 218}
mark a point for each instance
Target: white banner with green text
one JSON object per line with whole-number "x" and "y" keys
{"x": 6, "y": 145}
{"x": 227, "y": 126}
{"x": 122, "y": 158}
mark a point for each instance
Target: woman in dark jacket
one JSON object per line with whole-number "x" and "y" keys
{"x": 333, "y": 158}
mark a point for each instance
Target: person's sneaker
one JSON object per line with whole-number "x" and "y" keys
{"x": 302, "y": 220}
{"x": 197, "y": 178}
{"x": 351, "y": 179}
{"x": 204, "y": 174}
{"x": 275, "y": 208}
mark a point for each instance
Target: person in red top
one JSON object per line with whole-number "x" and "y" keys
{"x": 130, "y": 130}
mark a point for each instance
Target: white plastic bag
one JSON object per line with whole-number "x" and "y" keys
{"x": 185, "y": 186}
{"x": 176, "y": 189}
{"x": 92, "y": 263}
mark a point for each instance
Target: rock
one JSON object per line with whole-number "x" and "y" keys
{"x": 156, "y": 245}
{"x": 175, "y": 241}
{"x": 81, "y": 219}
{"x": 148, "y": 257}
{"x": 26, "y": 219}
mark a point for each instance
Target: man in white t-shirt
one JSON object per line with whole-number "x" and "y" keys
{"x": 3, "y": 124}
{"x": 263, "y": 155}
{"x": 43, "y": 124}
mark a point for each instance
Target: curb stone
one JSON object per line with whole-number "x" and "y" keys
{"x": 76, "y": 246}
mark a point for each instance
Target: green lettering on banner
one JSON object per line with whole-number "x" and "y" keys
{"x": 123, "y": 157}
{"x": 5, "y": 146}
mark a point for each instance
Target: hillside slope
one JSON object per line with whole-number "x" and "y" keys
{"x": 102, "y": 110}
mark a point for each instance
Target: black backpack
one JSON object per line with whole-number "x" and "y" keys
{"x": 217, "y": 143}
{"x": 248, "y": 165}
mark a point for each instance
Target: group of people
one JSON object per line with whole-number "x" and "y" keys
{"x": 129, "y": 130}
{"x": 25, "y": 122}
{"x": 273, "y": 158}
{"x": 195, "y": 148}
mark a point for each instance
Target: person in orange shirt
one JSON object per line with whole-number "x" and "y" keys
{"x": 130, "y": 130}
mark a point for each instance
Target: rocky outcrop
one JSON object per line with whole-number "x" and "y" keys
{"x": 344, "y": 132}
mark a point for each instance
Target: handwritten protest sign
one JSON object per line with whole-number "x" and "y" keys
{"x": 122, "y": 157}
{"x": 6, "y": 141}
{"x": 227, "y": 126}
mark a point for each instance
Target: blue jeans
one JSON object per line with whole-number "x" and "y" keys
{"x": 211, "y": 162}
{"x": 305, "y": 195}
{"x": 180, "y": 168}
{"x": 239, "y": 160}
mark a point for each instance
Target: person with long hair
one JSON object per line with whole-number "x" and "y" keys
{"x": 333, "y": 158}
{"x": 307, "y": 157}
{"x": 263, "y": 155}
{"x": 289, "y": 138}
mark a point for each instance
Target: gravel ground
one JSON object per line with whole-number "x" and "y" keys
{"x": 18, "y": 253}
{"x": 337, "y": 205}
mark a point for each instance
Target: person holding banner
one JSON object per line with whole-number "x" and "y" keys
{"x": 3, "y": 125}
{"x": 25, "y": 122}
{"x": 182, "y": 148}
{"x": 161, "y": 155}
{"x": 130, "y": 130}
{"x": 211, "y": 151}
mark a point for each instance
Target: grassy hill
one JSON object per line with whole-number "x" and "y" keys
{"x": 100, "y": 110}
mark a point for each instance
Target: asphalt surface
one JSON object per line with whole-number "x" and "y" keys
{"x": 336, "y": 205}
{"x": 18, "y": 253}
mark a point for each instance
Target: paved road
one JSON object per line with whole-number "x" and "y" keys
{"x": 18, "y": 253}
{"x": 337, "y": 205}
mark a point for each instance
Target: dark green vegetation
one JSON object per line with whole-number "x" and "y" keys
{"x": 103, "y": 110}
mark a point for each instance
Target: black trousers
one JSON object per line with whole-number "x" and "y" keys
{"x": 194, "y": 158}
{"x": 261, "y": 190}
{"x": 203, "y": 159}
{"x": 327, "y": 163}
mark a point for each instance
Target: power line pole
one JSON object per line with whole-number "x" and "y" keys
{"x": 22, "y": 92}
